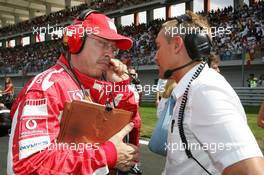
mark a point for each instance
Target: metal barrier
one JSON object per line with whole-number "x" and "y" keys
{"x": 150, "y": 98}
{"x": 248, "y": 96}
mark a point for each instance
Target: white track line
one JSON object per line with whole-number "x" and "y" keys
{"x": 4, "y": 111}
{"x": 143, "y": 142}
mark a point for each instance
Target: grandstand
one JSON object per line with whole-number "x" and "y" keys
{"x": 28, "y": 48}
{"x": 31, "y": 41}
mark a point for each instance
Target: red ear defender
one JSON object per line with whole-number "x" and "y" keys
{"x": 97, "y": 24}
{"x": 75, "y": 34}
{"x": 74, "y": 38}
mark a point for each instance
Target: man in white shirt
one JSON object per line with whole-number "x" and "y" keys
{"x": 214, "y": 137}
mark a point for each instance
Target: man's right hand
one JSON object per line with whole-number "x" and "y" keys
{"x": 127, "y": 154}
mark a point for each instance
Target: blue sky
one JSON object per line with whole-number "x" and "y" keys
{"x": 178, "y": 10}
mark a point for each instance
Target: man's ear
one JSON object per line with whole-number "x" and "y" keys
{"x": 177, "y": 44}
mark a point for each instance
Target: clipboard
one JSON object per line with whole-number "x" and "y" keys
{"x": 88, "y": 122}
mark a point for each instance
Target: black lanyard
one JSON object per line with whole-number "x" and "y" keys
{"x": 75, "y": 79}
{"x": 85, "y": 92}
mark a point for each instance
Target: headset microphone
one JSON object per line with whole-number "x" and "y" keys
{"x": 198, "y": 46}
{"x": 169, "y": 72}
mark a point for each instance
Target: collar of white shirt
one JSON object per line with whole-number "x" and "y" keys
{"x": 178, "y": 91}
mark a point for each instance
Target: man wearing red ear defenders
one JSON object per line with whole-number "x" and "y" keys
{"x": 77, "y": 75}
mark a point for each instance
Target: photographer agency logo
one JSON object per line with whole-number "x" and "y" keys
{"x": 71, "y": 30}
{"x": 183, "y": 30}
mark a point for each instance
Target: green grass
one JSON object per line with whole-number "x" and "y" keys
{"x": 148, "y": 115}
{"x": 252, "y": 114}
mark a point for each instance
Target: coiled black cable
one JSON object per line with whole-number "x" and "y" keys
{"x": 181, "y": 117}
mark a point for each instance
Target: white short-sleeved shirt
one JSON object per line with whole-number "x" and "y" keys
{"x": 215, "y": 126}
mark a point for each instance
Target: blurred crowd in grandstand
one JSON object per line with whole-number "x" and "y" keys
{"x": 65, "y": 15}
{"x": 30, "y": 58}
{"x": 245, "y": 39}
{"x": 247, "y": 26}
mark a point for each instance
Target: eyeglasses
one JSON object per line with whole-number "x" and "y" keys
{"x": 106, "y": 45}
{"x": 133, "y": 75}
